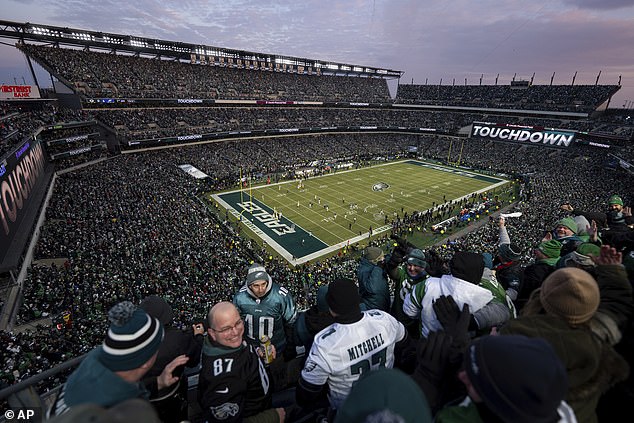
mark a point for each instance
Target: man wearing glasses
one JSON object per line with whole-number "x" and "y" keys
{"x": 233, "y": 384}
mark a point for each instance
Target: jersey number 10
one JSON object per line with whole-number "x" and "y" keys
{"x": 265, "y": 326}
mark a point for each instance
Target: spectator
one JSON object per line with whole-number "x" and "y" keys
{"x": 312, "y": 321}
{"x": 462, "y": 284}
{"x": 171, "y": 402}
{"x": 546, "y": 257}
{"x": 111, "y": 373}
{"x": 582, "y": 257}
{"x": 373, "y": 286}
{"x": 357, "y": 343}
{"x": 566, "y": 233}
{"x": 233, "y": 383}
{"x": 560, "y": 312}
{"x": 506, "y": 265}
{"x": 616, "y": 307}
{"x": 406, "y": 266}
{"x": 616, "y": 219}
{"x": 268, "y": 310}
{"x": 385, "y": 395}
{"x": 511, "y": 378}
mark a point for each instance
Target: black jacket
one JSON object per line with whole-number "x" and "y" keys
{"x": 233, "y": 383}
{"x": 532, "y": 278}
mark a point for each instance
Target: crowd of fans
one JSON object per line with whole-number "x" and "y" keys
{"x": 151, "y": 123}
{"x": 133, "y": 225}
{"x": 112, "y": 75}
{"x": 19, "y": 122}
{"x": 570, "y": 98}
{"x": 130, "y": 226}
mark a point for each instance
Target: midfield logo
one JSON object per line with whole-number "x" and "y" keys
{"x": 380, "y": 186}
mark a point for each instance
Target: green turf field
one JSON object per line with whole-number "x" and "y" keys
{"x": 329, "y": 212}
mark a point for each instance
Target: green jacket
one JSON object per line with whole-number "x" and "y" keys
{"x": 592, "y": 365}
{"x": 403, "y": 285}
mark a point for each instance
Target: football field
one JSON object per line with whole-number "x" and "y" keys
{"x": 305, "y": 220}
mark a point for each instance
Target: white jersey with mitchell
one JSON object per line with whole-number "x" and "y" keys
{"x": 342, "y": 352}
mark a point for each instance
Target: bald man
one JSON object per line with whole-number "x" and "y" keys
{"x": 233, "y": 385}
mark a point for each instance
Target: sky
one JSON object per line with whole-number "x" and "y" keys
{"x": 428, "y": 40}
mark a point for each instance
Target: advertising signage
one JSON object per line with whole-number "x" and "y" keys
{"x": 20, "y": 173}
{"x": 18, "y": 91}
{"x": 523, "y": 134}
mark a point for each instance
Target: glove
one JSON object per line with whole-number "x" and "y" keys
{"x": 435, "y": 265}
{"x": 512, "y": 293}
{"x": 455, "y": 323}
{"x": 397, "y": 256}
{"x": 431, "y": 368}
{"x": 394, "y": 259}
{"x": 432, "y": 355}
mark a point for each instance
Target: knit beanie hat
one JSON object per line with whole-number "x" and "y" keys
{"x": 467, "y": 266}
{"x": 571, "y": 294}
{"x": 373, "y": 254}
{"x": 581, "y": 256}
{"x": 550, "y": 248}
{"x": 615, "y": 199}
{"x": 257, "y": 272}
{"x": 158, "y": 308}
{"x": 582, "y": 225}
{"x": 343, "y": 297}
{"x": 569, "y": 223}
{"x": 526, "y": 393}
{"x": 385, "y": 395}
{"x": 416, "y": 257}
{"x": 132, "y": 339}
{"x": 510, "y": 252}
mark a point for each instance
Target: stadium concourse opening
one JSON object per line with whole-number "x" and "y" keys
{"x": 305, "y": 219}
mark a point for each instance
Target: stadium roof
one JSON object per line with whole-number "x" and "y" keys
{"x": 195, "y": 53}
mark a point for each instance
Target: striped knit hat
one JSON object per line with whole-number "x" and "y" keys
{"x": 132, "y": 339}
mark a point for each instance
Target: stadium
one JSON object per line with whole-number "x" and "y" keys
{"x": 157, "y": 167}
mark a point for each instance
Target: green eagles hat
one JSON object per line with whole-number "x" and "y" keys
{"x": 569, "y": 223}
{"x": 615, "y": 199}
{"x": 581, "y": 256}
{"x": 385, "y": 395}
{"x": 550, "y": 248}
